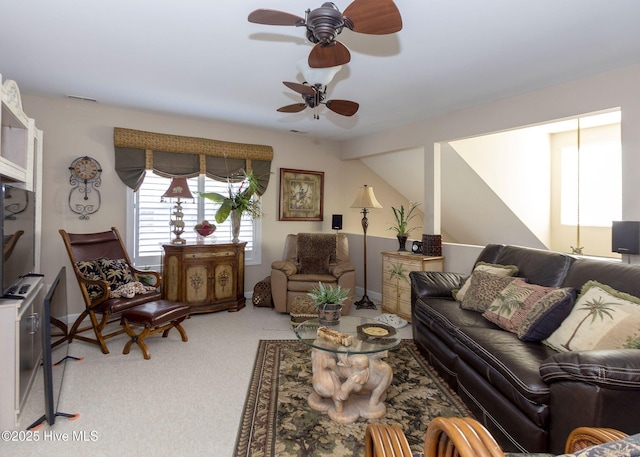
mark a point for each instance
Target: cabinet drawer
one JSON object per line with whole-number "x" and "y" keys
{"x": 392, "y": 292}
{"x": 208, "y": 255}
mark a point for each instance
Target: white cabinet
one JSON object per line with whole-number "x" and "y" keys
{"x": 20, "y": 348}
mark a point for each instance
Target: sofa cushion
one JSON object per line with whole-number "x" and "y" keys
{"x": 602, "y": 318}
{"x": 509, "y": 365}
{"x": 531, "y": 311}
{"x": 448, "y": 315}
{"x": 484, "y": 289}
{"x": 539, "y": 266}
{"x": 315, "y": 252}
{"x": 499, "y": 270}
{"x": 621, "y": 276}
{"x": 434, "y": 284}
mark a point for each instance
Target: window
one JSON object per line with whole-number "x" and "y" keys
{"x": 148, "y": 225}
{"x": 598, "y": 200}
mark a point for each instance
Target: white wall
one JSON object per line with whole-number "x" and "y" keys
{"x": 516, "y": 165}
{"x": 601, "y": 92}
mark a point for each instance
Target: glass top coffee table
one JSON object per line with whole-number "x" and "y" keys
{"x": 349, "y": 380}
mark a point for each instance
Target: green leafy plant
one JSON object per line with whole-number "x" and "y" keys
{"x": 242, "y": 200}
{"x": 401, "y": 227}
{"x": 331, "y": 295}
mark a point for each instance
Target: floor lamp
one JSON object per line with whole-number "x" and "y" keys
{"x": 365, "y": 200}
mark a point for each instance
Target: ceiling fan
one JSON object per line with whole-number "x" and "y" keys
{"x": 314, "y": 96}
{"x": 324, "y": 24}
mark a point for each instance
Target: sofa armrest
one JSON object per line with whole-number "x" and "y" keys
{"x": 613, "y": 368}
{"x": 435, "y": 283}
{"x": 288, "y": 268}
{"x": 341, "y": 268}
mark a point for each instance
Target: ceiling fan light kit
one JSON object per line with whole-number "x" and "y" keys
{"x": 324, "y": 24}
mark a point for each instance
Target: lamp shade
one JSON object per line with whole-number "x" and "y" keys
{"x": 366, "y": 198}
{"x": 314, "y": 76}
{"x": 178, "y": 189}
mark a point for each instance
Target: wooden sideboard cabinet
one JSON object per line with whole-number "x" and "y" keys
{"x": 396, "y": 285}
{"x": 208, "y": 277}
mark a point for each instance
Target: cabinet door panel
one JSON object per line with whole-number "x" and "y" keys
{"x": 171, "y": 278}
{"x": 196, "y": 287}
{"x": 224, "y": 283}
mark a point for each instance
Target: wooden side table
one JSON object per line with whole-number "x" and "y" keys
{"x": 207, "y": 277}
{"x": 396, "y": 285}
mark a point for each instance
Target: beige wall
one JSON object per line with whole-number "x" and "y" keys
{"x": 73, "y": 128}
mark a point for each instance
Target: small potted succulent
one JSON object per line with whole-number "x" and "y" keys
{"x": 329, "y": 301}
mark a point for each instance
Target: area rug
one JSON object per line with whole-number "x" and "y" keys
{"x": 278, "y": 422}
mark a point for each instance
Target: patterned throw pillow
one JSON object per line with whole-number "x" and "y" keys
{"x": 116, "y": 271}
{"x": 602, "y": 318}
{"x": 500, "y": 270}
{"x": 90, "y": 270}
{"x": 530, "y": 310}
{"x": 484, "y": 288}
{"x": 130, "y": 289}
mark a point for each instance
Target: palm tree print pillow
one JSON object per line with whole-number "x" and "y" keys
{"x": 531, "y": 311}
{"x": 602, "y": 318}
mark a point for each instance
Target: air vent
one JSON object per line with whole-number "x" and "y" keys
{"x": 81, "y": 98}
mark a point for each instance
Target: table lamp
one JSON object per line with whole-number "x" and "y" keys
{"x": 177, "y": 189}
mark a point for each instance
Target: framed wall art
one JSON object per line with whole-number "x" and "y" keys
{"x": 301, "y": 195}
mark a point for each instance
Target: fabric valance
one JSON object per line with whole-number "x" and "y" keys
{"x": 172, "y": 155}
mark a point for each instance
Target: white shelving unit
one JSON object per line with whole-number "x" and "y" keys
{"x": 21, "y": 166}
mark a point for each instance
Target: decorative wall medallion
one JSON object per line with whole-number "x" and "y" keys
{"x": 84, "y": 197}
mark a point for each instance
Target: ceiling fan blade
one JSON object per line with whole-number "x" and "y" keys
{"x": 331, "y": 55}
{"x": 273, "y": 17}
{"x": 300, "y": 88}
{"x": 343, "y": 107}
{"x": 295, "y": 108}
{"x": 374, "y": 17}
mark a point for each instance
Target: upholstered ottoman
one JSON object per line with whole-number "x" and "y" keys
{"x": 156, "y": 316}
{"x": 302, "y": 309}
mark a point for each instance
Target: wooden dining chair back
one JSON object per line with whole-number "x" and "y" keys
{"x": 101, "y": 264}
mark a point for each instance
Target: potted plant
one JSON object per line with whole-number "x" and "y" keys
{"x": 329, "y": 301}
{"x": 237, "y": 203}
{"x": 401, "y": 227}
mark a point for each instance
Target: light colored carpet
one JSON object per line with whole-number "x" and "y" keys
{"x": 186, "y": 400}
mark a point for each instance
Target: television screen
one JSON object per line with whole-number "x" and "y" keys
{"x": 54, "y": 344}
{"x": 18, "y": 214}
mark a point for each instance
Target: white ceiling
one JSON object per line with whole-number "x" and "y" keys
{"x": 204, "y": 59}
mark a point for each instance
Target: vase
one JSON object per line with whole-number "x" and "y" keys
{"x": 402, "y": 240}
{"x": 236, "y": 217}
{"x": 329, "y": 314}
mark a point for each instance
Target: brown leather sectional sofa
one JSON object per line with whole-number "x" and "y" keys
{"x": 528, "y": 395}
